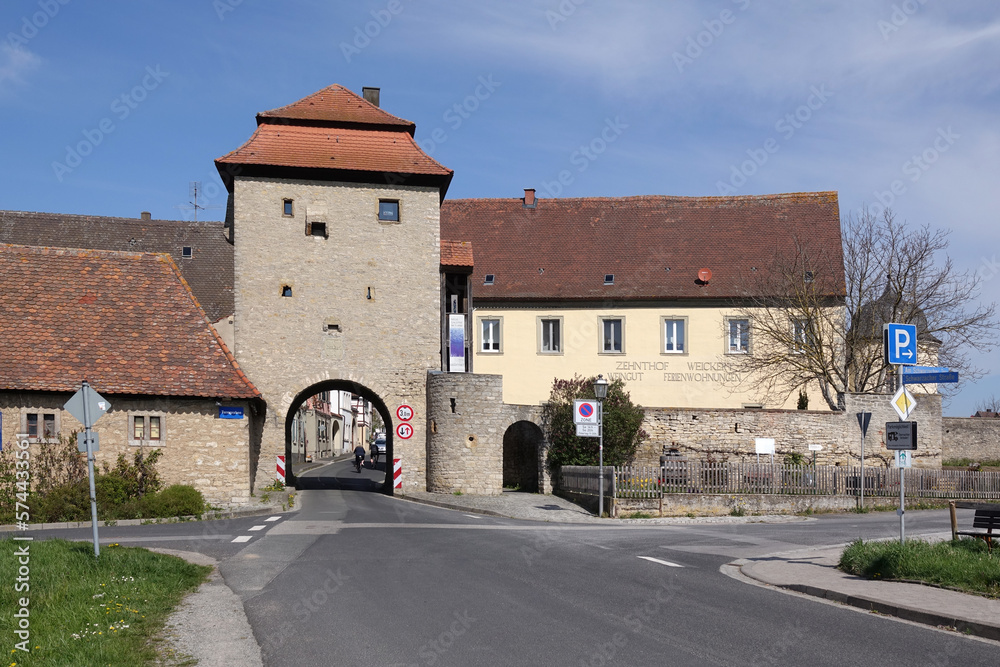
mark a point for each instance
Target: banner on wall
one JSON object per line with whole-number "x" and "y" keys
{"x": 456, "y": 343}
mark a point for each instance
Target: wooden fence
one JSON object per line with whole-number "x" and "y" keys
{"x": 734, "y": 478}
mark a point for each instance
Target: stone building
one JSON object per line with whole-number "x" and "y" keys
{"x": 128, "y": 324}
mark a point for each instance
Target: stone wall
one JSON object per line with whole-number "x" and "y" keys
{"x": 365, "y": 305}
{"x": 728, "y": 434}
{"x": 973, "y": 438}
{"x": 198, "y": 448}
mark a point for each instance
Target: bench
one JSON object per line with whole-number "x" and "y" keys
{"x": 986, "y": 519}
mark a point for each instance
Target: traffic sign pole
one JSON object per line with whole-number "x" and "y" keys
{"x": 90, "y": 466}
{"x": 902, "y": 506}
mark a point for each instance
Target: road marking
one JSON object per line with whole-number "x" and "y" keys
{"x": 273, "y": 518}
{"x": 243, "y": 538}
{"x": 260, "y": 527}
{"x": 661, "y": 562}
{"x": 474, "y": 516}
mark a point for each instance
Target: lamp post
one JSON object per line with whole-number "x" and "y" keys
{"x": 600, "y": 393}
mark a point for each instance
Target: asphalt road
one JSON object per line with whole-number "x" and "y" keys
{"x": 358, "y": 578}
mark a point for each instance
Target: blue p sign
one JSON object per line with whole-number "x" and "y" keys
{"x": 900, "y": 341}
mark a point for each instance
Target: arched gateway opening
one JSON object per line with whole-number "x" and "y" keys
{"x": 330, "y": 464}
{"x": 522, "y": 444}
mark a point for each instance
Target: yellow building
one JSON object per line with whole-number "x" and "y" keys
{"x": 645, "y": 289}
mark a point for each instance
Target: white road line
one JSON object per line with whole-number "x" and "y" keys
{"x": 273, "y": 518}
{"x": 661, "y": 562}
{"x": 243, "y": 538}
{"x": 260, "y": 527}
{"x": 474, "y": 516}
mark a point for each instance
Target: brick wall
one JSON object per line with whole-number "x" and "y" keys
{"x": 365, "y": 304}
{"x": 199, "y": 449}
{"x": 970, "y": 438}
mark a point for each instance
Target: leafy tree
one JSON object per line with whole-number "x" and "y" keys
{"x": 623, "y": 431}
{"x": 809, "y": 328}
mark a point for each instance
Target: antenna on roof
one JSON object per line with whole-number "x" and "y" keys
{"x": 194, "y": 189}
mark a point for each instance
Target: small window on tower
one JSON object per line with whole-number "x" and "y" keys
{"x": 286, "y": 290}
{"x": 286, "y": 209}
{"x": 388, "y": 210}
{"x": 317, "y": 229}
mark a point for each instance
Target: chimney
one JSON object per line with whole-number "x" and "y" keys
{"x": 370, "y": 95}
{"x": 146, "y": 215}
{"x": 529, "y": 198}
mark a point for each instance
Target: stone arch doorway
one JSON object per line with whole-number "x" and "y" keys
{"x": 333, "y": 481}
{"x": 522, "y": 447}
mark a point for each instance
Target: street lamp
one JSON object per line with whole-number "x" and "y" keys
{"x": 600, "y": 393}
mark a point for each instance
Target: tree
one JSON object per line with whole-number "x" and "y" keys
{"x": 623, "y": 431}
{"x": 812, "y": 329}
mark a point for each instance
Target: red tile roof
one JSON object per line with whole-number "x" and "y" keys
{"x": 126, "y": 322}
{"x": 334, "y": 106}
{"x": 456, "y": 253}
{"x": 653, "y": 245}
{"x": 334, "y": 148}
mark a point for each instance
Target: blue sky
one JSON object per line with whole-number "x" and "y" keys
{"x": 113, "y": 108}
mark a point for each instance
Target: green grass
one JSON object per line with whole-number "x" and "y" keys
{"x": 963, "y": 564}
{"x": 87, "y": 611}
{"x": 638, "y": 515}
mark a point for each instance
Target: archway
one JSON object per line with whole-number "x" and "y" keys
{"x": 299, "y": 481}
{"x": 522, "y": 444}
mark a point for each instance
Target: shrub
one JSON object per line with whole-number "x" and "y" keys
{"x": 176, "y": 500}
{"x": 69, "y": 502}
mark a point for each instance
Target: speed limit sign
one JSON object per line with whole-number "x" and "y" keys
{"x": 404, "y": 412}
{"x": 404, "y": 431}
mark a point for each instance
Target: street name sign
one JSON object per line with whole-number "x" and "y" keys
{"x": 584, "y": 412}
{"x": 900, "y": 436}
{"x": 928, "y": 375}
{"x": 903, "y": 402}
{"x": 815, "y": 448}
{"x": 900, "y": 344}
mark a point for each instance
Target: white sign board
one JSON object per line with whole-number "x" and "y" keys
{"x": 815, "y": 448}
{"x": 587, "y": 431}
{"x": 903, "y": 459}
{"x": 584, "y": 412}
{"x": 764, "y": 445}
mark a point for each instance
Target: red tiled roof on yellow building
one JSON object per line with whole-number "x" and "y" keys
{"x": 126, "y": 322}
{"x": 649, "y": 247}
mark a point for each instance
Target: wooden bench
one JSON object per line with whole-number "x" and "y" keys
{"x": 986, "y": 519}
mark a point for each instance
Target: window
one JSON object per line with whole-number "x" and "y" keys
{"x": 802, "y": 337}
{"x": 388, "y": 210}
{"x": 609, "y": 279}
{"x": 612, "y": 335}
{"x": 317, "y": 229}
{"x": 286, "y": 207}
{"x": 490, "y": 340}
{"x": 489, "y": 279}
{"x": 286, "y": 290}
{"x": 550, "y": 335}
{"x": 673, "y": 336}
{"x": 145, "y": 429}
{"x": 739, "y": 336}
{"x": 809, "y": 276}
{"x": 40, "y": 426}
{"x": 187, "y": 252}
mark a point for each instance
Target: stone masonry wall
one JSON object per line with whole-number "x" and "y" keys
{"x": 971, "y": 438}
{"x": 199, "y": 449}
{"x": 728, "y": 434}
{"x": 365, "y": 304}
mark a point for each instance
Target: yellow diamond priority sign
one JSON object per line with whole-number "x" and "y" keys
{"x": 903, "y": 403}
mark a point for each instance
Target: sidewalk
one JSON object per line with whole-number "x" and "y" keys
{"x": 809, "y": 571}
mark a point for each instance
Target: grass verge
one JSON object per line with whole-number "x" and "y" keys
{"x": 963, "y": 564}
{"x": 87, "y": 611}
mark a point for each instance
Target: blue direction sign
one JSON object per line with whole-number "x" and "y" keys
{"x": 929, "y": 375}
{"x": 900, "y": 344}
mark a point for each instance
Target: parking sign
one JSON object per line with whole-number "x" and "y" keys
{"x": 900, "y": 344}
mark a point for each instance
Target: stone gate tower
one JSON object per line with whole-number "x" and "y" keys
{"x": 334, "y": 215}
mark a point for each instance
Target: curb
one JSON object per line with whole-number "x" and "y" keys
{"x": 457, "y": 508}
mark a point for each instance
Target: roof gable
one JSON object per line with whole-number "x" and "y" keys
{"x": 126, "y": 322}
{"x": 334, "y": 106}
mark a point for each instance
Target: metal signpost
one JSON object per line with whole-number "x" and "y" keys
{"x": 901, "y": 437}
{"x": 88, "y": 406}
{"x": 863, "y": 419}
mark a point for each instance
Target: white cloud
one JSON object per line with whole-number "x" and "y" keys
{"x": 15, "y": 63}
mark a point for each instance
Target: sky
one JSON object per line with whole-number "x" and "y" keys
{"x": 116, "y": 107}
